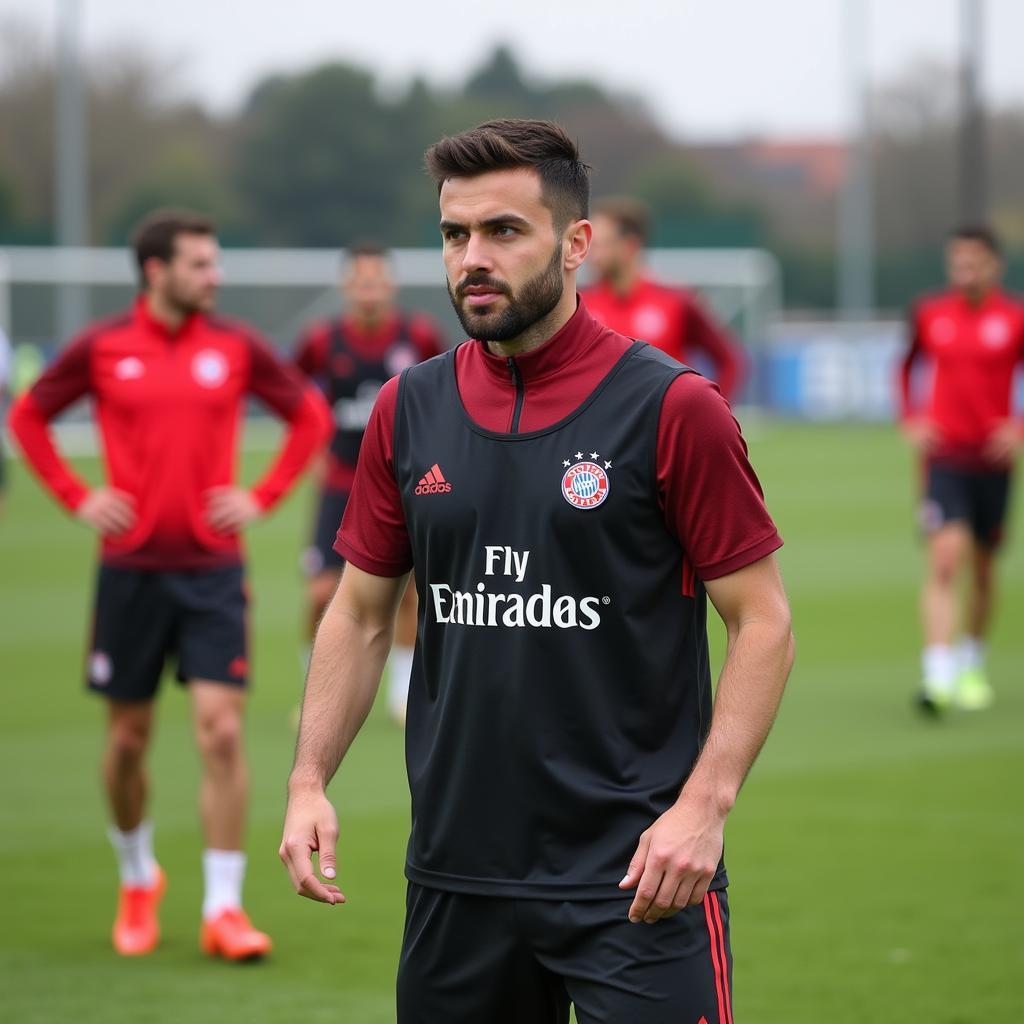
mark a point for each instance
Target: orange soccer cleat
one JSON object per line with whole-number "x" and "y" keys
{"x": 231, "y": 935}
{"x": 136, "y": 928}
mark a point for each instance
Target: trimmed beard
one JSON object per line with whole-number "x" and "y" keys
{"x": 534, "y": 301}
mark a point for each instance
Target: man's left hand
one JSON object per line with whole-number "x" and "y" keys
{"x": 675, "y": 861}
{"x": 229, "y": 509}
{"x": 1004, "y": 441}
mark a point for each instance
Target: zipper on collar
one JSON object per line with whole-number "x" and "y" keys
{"x": 517, "y": 409}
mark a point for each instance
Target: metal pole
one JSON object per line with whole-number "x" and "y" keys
{"x": 972, "y": 163}
{"x": 856, "y": 255}
{"x": 70, "y": 172}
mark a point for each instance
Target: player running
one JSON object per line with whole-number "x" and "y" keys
{"x": 351, "y": 358}
{"x": 628, "y": 300}
{"x": 168, "y": 379}
{"x": 962, "y": 424}
{"x": 568, "y": 779}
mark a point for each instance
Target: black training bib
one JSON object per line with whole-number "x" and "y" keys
{"x": 354, "y": 381}
{"x": 560, "y": 691}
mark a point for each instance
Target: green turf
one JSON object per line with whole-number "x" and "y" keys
{"x": 876, "y": 859}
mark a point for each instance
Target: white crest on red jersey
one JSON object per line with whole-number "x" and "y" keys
{"x": 995, "y": 331}
{"x": 649, "y": 322}
{"x": 129, "y": 368}
{"x": 210, "y": 368}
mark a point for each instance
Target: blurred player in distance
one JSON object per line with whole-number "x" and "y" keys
{"x": 350, "y": 358}
{"x": 167, "y": 379}
{"x": 626, "y": 298}
{"x": 961, "y": 422}
{"x": 568, "y": 797}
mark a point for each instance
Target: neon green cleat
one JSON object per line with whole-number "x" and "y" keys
{"x": 973, "y": 691}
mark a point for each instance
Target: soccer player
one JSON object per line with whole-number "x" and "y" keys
{"x": 167, "y": 379}
{"x": 629, "y": 301}
{"x": 569, "y": 781}
{"x": 351, "y": 358}
{"x": 962, "y": 424}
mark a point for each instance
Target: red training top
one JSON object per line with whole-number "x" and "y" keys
{"x": 973, "y": 352}
{"x": 168, "y": 406}
{"x": 324, "y": 352}
{"x": 708, "y": 492}
{"x": 673, "y": 320}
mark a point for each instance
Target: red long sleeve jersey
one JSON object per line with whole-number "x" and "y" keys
{"x": 674, "y": 321}
{"x": 707, "y": 490}
{"x": 973, "y": 351}
{"x": 168, "y": 407}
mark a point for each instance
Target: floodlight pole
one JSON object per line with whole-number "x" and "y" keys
{"x": 972, "y": 184}
{"x": 70, "y": 171}
{"x": 856, "y": 244}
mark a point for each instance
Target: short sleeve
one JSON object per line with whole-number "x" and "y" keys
{"x": 709, "y": 493}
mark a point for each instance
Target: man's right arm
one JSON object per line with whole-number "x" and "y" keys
{"x": 65, "y": 380}
{"x": 918, "y": 429}
{"x": 348, "y": 658}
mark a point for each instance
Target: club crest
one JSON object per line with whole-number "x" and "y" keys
{"x": 585, "y": 484}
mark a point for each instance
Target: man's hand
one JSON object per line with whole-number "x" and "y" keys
{"x": 922, "y": 434}
{"x": 229, "y": 509}
{"x": 675, "y": 861}
{"x": 310, "y": 824}
{"x": 108, "y": 511}
{"x": 1004, "y": 441}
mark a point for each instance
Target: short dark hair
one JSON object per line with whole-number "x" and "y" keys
{"x": 365, "y": 247}
{"x": 980, "y": 233}
{"x": 509, "y": 143}
{"x": 155, "y": 235}
{"x": 631, "y": 216}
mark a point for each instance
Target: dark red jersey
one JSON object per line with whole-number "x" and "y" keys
{"x": 707, "y": 491}
{"x": 351, "y": 364}
{"x": 971, "y": 353}
{"x": 673, "y": 320}
{"x": 169, "y": 407}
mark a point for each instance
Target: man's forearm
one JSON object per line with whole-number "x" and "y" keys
{"x": 344, "y": 673}
{"x": 750, "y": 687}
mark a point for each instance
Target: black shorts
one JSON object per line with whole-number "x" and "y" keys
{"x": 979, "y": 498}
{"x": 320, "y": 556}
{"x": 469, "y": 959}
{"x": 141, "y": 618}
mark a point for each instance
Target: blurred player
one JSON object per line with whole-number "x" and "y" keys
{"x": 560, "y": 735}
{"x": 972, "y": 338}
{"x": 626, "y": 298}
{"x": 5, "y": 378}
{"x": 167, "y": 379}
{"x": 351, "y": 358}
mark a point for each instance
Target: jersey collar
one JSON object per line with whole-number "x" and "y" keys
{"x": 555, "y": 355}
{"x": 158, "y": 327}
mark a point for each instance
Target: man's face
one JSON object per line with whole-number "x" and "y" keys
{"x": 971, "y": 267}
{"x": 189, "y": 281}
{"x": 611, "y": 252}
{"x": 369, "y": 287}
{"x": 506, "y": 262}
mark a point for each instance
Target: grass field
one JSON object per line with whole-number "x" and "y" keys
{"x": 877, "y": 860}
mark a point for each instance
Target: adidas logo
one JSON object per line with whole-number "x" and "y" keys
{"x": 434, "y": 482}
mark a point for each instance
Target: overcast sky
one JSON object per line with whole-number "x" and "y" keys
{"x": 708, "y": 68}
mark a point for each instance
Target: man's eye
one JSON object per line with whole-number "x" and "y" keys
{"x": 504, "y": 231}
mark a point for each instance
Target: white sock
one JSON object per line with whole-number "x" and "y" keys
{"x": 940, "y": 667}
{"x": 134, "y": 849}
{"x": 971, "y": 653}
{"x": 223, "y": 873}
{"x": 399, "y": 674}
